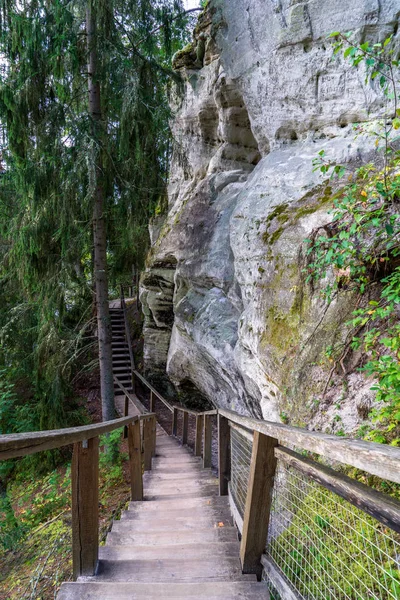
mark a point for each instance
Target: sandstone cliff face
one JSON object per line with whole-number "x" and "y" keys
{"x": 227, "y": 309}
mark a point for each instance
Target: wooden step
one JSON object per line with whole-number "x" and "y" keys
{"x": 158, "y": 591}
{"x": 126, "y": 536}
{"x": 166, "y": 504}
{"x": 178, "y": 551}
{"x": 172, "y": 523}
{"x": 215, "y": 513}
{"x": 169, "y": 570}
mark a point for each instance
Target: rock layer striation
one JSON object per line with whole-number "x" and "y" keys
{"x": 227, "y": 308}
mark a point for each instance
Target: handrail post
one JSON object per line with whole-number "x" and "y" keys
{"x": 199, "y": 435}
{"x": 135, "y": 461}
{"x": 85, "y": 507}
{"x": 258, "y": 502}
{"x": 147, "y": 443}
{"x": 185, "y": 427}
{"x": 153, "y": 435}
{"x": 152, "y": 401}
{"x": 207, "y": 440}
{"x": 224, "y": 454}
{"x": 175, "y": 421}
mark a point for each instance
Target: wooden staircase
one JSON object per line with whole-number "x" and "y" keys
{"x": 179, "y": 542}
{"x": 122, "y": 367}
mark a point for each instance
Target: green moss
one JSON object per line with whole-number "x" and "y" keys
{"x": 285, "y": 214}
{"x": 186, "y": 50}
{"x": 281, "y": 331}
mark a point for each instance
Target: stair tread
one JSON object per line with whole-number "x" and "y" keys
{"x": 127, "y": 536}
{"x": 170, "y": 570}
{"x": 225, "y": 590}
{"x": 178, "y": 503}
{"x": 125, "y": 552}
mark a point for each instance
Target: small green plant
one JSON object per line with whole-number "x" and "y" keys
{"x": 284, "y": 418}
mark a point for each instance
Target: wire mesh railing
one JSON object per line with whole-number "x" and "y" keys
{"x": 241, "y": 449}
{"x": 327, "y": 548}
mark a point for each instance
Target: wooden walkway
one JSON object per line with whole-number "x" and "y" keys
{"x": 179, "y": 542}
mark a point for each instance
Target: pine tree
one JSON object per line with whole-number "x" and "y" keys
{"x": 73, "y": 172}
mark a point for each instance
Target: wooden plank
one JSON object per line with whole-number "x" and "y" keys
{"x": 147, "y": 444}
{"x": 198, "y": 444}
{"x": 153, "y": 435}
{"x": 207, "y": 441}
{"x": 13, "y": 445}
{"x": 150, "y": 387}
{"x": 185, "y": 426}
{"x": 378, "y": 459}
{"x": 224, "y": 454}
{"x": 237, "y": 517}
{"x": 135, "y": 461}
{"x": 278, "y": 580}
{"x": 258, "y": 502}
{"x": 383, "y": 508}
{"x": 175, "y": 421}
{"x": 85, "y": 507}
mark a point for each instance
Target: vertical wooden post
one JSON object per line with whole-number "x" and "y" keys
{"x": 133, "y": 382}
{"x": 175, "y": 421}
{"x": 85, "y": 507}
{"x": 199, "y": 436}
{"x": 152, "y": 401}
{"x": 185, "y": 428}
{"x": 126, "y": 413}
{"x": 224, "y": 454}
{"x": 153, "y": 435}
{"x": 126, "y": 406}
{"x": 258, "y": 502}
{"x": 135, "y": 460}
{"x": 207, "y": 441}
{"x": 147, "y": 444}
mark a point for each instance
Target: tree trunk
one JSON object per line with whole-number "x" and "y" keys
{"x": 99, "y": 226}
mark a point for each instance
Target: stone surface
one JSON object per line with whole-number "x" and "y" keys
{"x": 226, "y": 304}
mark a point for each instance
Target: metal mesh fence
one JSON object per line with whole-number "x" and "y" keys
{"x": 327, "y": 548}
{"x": 241, "y": 448}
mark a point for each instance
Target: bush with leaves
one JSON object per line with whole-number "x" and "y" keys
{"x": 360, "y": 247}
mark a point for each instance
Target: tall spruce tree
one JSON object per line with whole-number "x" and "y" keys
{"x": 83, "y": 104}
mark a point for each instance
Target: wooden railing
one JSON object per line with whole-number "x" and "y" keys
{"x": 268, "y": 444}
{"x": 85, "y": 473}
{"x": 272, "y": 442}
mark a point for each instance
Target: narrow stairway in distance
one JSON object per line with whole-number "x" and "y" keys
{"x": 178, "y": 543}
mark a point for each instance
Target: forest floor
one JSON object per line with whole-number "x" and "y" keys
{"x": 35, "y": 521}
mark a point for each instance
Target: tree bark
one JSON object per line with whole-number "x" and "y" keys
{"x": 99, "y": 224}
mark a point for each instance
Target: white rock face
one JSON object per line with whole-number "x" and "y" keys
{"x": 226, "y": 305}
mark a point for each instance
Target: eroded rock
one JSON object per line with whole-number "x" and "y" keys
{"x": 234, "y": 315}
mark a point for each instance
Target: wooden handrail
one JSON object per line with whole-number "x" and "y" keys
{"x": 150, "y": 387}
{"x": 130, "y": 396}
{"x": 378, "y": 459}
{"x": 14, "y": 445}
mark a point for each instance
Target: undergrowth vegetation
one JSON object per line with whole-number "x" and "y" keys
{"x": 35, "y": 522}
{"x": 360, "y": 247}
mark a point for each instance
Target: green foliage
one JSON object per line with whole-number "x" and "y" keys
{"x": 326, "y": 539}
{"x": 111, "y": 457}
{"x": 360, "y": 248}
{"x": 48, "y": 153}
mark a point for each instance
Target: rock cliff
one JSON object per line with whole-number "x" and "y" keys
{"x": 227, "y": 309}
